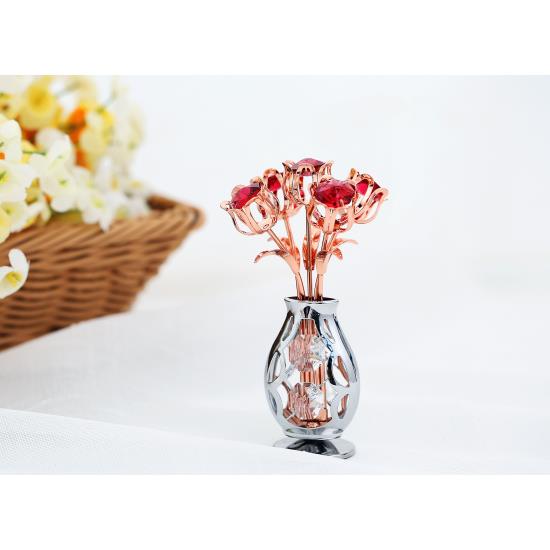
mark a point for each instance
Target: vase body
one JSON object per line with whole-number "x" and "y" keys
{"x": 311, "y": 377}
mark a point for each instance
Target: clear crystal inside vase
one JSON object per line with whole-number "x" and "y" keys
{"x": 308, "y": 395}
{"x": 311, "y": 373}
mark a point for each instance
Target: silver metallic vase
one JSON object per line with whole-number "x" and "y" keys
{"x": 311, "y": 379}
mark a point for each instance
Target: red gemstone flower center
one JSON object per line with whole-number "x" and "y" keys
{"x": 335, "y": 193}
{"x": 273, "y": 183}
{"x": 363, "y": 186}
{"x": 314, "y": 163}
{"x": 242, "y": 195}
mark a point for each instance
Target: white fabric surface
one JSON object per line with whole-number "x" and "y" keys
{"x": 40, "y": 443}
{"x": 180, "y": 390}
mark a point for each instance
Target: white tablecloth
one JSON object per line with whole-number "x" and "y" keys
{"x": 179, "y": 389}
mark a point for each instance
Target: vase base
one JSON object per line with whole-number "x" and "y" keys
{"x": 338, "y": 448}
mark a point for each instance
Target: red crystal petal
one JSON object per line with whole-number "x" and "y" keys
{"x": 316, "y": 164}
{"x": 242, "y": 195}
{"x": 335, "y": 193}
{"x": 363, "y": 186}
{"x": 273, "y": 183}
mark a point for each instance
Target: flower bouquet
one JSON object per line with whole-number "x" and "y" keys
{"x": 311, "y": 376}
{"x": 70, "y": 207}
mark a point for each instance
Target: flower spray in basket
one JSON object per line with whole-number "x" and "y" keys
{"x": 64, "y": 155}
{"x": 311, "y": 376}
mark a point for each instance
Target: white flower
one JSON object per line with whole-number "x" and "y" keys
{"x": 104, "y": 175}
{"x": 127, "y": 130}
{"x": 46, "y": 137}
{"x": 110, "y": 176}
{"x": 11, "y": 90}
{"x": 127, "y": 134}
{"x": 83, "y": 177}
{"x": 56, "y": 179}
{"x": 10, "y": 139}
{"x": 14, "y": 180}
{"x": 136, "y": 188}
{"x": 119, "y": 90}
{"x": 83, "y": 86}
{"x": 14, "y": 85}
{"x": 38, "y": 204}
{"x": 129, "y": 124}
{"x": 120, "y": 155}
{"x": 13, "y": 277}
{"x": 100, "y": 207}
{"x": 20, "y": 213}
{"x": 135, "y": 207}
{"x": 107, "y": 177}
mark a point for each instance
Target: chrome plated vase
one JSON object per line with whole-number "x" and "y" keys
{"x": 311, "y": 379}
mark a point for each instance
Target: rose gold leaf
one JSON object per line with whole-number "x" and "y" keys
{"x": 286, "y": 242}
{"x": 269, "y": 253}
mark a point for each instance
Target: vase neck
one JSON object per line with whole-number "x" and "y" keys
{"x": 306, "y": 308}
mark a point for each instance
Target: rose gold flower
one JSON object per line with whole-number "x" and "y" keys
{"x": 370, "y": 197}
{"x": 253, "y": 208}
{"x": 297, "y": 172}
{"x": 334, "y": 202}
{"x": 279, "y": 184}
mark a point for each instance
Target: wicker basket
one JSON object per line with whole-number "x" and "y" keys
{"x": 79, "y": 272}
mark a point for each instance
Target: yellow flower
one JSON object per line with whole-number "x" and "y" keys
{"x": 97, "y": 134}
{"x": 40, "y": 107}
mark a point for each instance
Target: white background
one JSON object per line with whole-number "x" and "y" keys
{"x": 444, "y": 300}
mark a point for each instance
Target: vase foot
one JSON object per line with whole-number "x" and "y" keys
{"x": 338, "y": 448}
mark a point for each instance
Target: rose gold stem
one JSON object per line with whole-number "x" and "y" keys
{"x": 320, "y": 276}
{"x": 299, "y": 286}
{"x": 319, "y": 287}
{"x": 276, "y": 239}
{"x": 289, "y": 233}
{"x": 297, "y": 276}
{"x": 309, "y": 251}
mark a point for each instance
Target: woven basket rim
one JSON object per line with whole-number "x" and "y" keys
{"x": 161, "y": 206}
